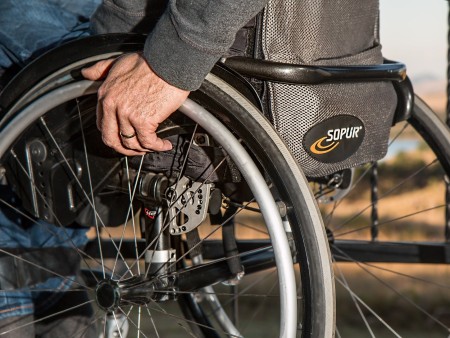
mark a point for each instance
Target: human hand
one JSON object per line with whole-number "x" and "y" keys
{"x": 132, "y": 102}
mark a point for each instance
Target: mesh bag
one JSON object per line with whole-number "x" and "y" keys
{"x": 328, "y": 127}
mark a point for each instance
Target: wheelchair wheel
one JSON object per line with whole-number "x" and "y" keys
{"x": 388, "y": 228}
{"x": 218, "y": 237}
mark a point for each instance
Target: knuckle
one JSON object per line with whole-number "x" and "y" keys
{"x": 134, "y": 118}
{"x": 126, "y": 110}
{"x": 108, "y": 102}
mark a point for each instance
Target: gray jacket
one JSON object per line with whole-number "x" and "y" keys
{"x": 186, "y": 37}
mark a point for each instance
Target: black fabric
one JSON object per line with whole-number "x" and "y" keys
{"x": 203, "y": 164}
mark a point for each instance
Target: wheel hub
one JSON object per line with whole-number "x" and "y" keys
{"x": 110, "y": 294}
{"x": 107, "y": 295}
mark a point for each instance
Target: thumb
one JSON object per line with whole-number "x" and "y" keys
{"x": 98, "y": 71}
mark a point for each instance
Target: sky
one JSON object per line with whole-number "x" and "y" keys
{"x": 415, "y": 33}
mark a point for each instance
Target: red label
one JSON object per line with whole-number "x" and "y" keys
{"x": 150, "y": 213}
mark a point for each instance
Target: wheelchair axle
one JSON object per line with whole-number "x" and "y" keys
{"x": 139, "y": 290}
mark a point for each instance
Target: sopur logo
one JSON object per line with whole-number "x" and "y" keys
{"x": 334, "y": 139}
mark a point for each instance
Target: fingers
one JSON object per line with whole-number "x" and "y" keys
{"x": 143, "y": 143}
{"x": 133, "y": 101}
{"x": 149, "y": 140}
{"x": 128, "y": 135}
{"x": 98, "y": 71}
{"x": 144, "y": 136}
{"x": 107, "y": 123}
{"x": 127, "y": 138}
{"x": 141, "y": 136}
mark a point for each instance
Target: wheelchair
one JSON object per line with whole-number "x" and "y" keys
{"x": 222, "y": 236}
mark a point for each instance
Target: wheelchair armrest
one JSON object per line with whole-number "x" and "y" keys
{"x": 308, "y": 75}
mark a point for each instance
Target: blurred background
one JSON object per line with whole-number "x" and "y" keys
{"x": 415, "y": 32}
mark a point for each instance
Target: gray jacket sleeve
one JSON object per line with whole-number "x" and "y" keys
{"x": 192, "y": 35}
{"x": 189, "y": 37}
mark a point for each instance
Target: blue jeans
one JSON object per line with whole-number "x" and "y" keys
{"x": 27, "y": 28}
{"x": 14, "y": 234}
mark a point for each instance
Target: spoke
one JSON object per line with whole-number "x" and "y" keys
{"x": 349, "y": 259}
{"x": 117, "y": 324}
{"x": 127, "y": 316}
{"x": 252, "y": 228}
{"x": 168, "y": 223}
{"x": 139, "y": 322}
{"x": 131, "y": 321}
{"x": 68, "y": 240}
{"x": 80, "y": 185}
{"x": 208, "y": 263}
{"x": 133, "y": 220}
{"x": 183, "y": 167}
{"x": 51, "y": 211}
{"x": 180, "y": 324}
{"x": 93, "y": 321}
{"x": 260, "y": 307}
{"x": 398, "y": 293}
{"x": 173, "y": 200}
{"x": 189, "y": 332}
{"x": 199, "y": 243}
{"x": 240, "y": 205}
{"x": 366, "y": 171}
{"x": 368, "y": 308}
{"x": 206, "y": 237}
{"x": 338, "y": 335}
{"x": 358, "y": 181}
{"x": 355, "y": 302}
{"x": 248, "y": 287}
{"x": 166, "y": 313}
{"x": 329, "y": 217}
{"x": 44, "y": 269}
{"x": 92, "y": 191}
{"x": 391, "y": 220}
{"x": 108, "y": 175}
{"x": 105, "y": 318}
{"x": 153, "y": 322}
{"x": 43, "y": 290}
{"x": 222, "y": 293}
{"x": 190, "y": 321}
{"x": 386, "y": 194}
{"x": 400, "y": 132}
{"x": 129, "y": 212}
{"x": 47, "y": 317}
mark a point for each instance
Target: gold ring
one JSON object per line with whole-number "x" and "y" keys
{"x": 127, "y": 136}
